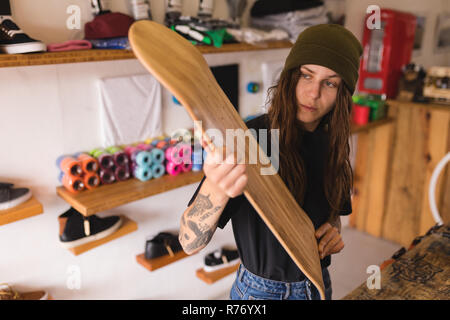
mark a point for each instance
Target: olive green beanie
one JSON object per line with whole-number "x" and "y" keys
{"x": 331, "y": 46}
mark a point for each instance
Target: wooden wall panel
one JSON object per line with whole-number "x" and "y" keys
{"x": 437, "y": 129}
{"x": 392, "y": 172}
{"x": 379, "y": 167}
{"x": 370, "y": 179}
{"x": 404, "y": 200}
{"x": 360, "y": 183}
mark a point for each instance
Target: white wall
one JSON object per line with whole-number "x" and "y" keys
{"x": 46, "y": 111}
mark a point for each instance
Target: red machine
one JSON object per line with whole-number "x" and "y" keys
{"x": 386, "y": 51}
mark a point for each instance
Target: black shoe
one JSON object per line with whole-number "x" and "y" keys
{"x": 6, "y": 184}
{"x": 13, "y": 40}
{"x": 163, "y": 244}
{"x": 220, "y": 259}
{"x": 76, "y": 229}
{"x": 11, "y": 197}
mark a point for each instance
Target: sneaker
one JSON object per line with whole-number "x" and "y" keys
{"x": 11, "y": 197}
{"x": 221, "y": 258}
{"x": 76, "y": 229}
{"x": 162, "y": 244}
{"x": 8, "y": 293}
{"x": 13, "y": 40}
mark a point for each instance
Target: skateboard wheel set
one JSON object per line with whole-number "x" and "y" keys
{"x": 143, "y": 161}
{"x": 105, "y": 160}
{"x": 78, "y": 172}
{"x": 119, "y": 157}
{"x": 179, "y": 158}
{"x": 114, "y": 164}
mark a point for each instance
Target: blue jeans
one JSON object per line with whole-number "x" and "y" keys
{"x": 249, "y": 286}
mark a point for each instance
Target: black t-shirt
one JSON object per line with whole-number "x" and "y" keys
{"x": 259, "y": 250}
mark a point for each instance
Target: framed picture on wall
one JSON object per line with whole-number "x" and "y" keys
{"x": 418, "y": 37}
{"x": 442, "y": 33}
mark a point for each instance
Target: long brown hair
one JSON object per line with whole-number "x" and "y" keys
{"x": 282, "y": 115}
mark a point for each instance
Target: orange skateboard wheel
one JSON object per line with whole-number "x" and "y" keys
{"x": 88, "y": 163}
{"x": 70, "y": 165}
{"x": 72, "y": 183}
{"x": 91, "y": 180}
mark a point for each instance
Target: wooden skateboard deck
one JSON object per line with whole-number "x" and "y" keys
{"x": 182, "y": 69}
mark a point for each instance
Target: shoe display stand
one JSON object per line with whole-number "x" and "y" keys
{"x": 106, "y": 197}
{"x": 156, "y": 263}
{"x": 211, "y": 277}
{"x": 46, "y": 58}
{"x": 24, "y": 210}
{"x": 128, "y": 226}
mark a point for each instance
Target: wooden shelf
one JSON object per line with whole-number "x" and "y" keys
{"x": 211, "y": 277}
{"x": 127, "y": 226}
{"x": 371, "y": 125}
{"x": 27, "y": 209}
{"x": 106, "y": 197}
{"x": 153, "y": 264}
{"x": 46, "y": 58}
{"x": 411, "y": 104}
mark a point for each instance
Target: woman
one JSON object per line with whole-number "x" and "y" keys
{"x": 311, "y": 107}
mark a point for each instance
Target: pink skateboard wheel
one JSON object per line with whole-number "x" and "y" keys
{"x": 173, "y": 168}
{"x": 185, "y": 167}
{"x": 179, "y": 153}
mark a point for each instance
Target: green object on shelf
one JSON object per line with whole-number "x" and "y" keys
{"x": 96, "y": 152}
{"x": 113, "y": 149}
{"x": 376, "y": 103}
{"x": 217, "y": 36}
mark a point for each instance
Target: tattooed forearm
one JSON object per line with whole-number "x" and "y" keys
{"x": 200, "y": 219}
{"x": 208, "y": 214}
{"x": 201, "y": 204}
{"x": 203, "y": 234}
